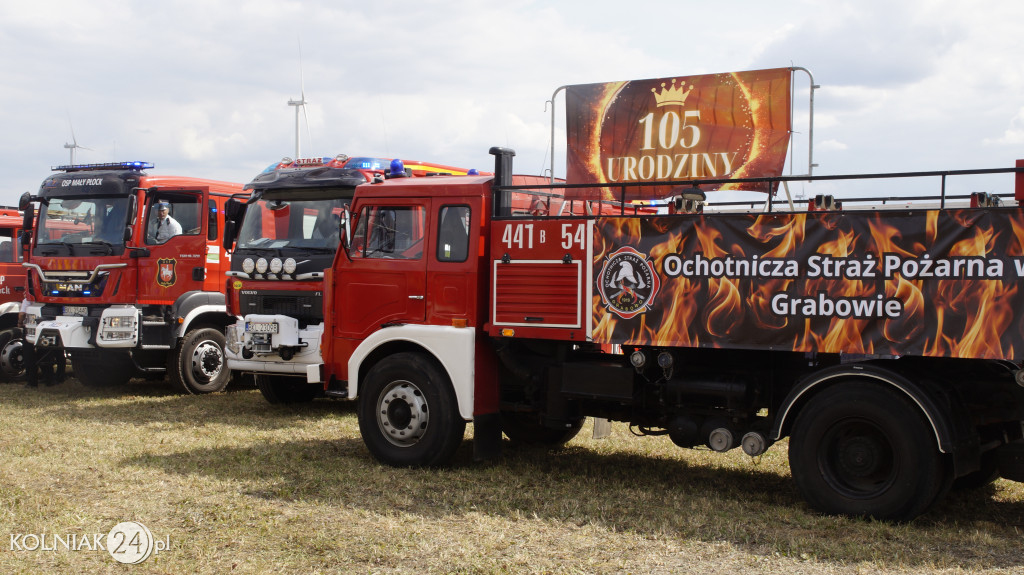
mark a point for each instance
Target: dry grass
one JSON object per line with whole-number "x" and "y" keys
{"x": 240, "y": 486}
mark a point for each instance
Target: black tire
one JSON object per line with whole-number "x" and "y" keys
{"x": 865, "y": 450}
{"x": 408, "y": 412}
{"x": 280, "y": 389}
{"x": 12, "y": 356}
{"x": 102, "y": 368}
{"x": 528, "y": 429}
{"x": 200, "y": 365}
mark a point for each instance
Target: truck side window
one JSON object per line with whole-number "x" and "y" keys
{"x": 7, "y": 253}
{"x": 172, "y": 216}
{"x": 211, "y": 232}
{"x": 453, "y": 234}
{"x": 394, "y": 232}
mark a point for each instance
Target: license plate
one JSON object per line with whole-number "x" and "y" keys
{"x": 253, "y": 327}
{"x": 76, "y": 310}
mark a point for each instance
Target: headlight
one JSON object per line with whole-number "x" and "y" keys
{"x": 119, "y": 321}
{"x": 248, "y": 265}
{"x": 118, "y": 328}
{"x": 275, "y": 265}
{"x": 289, "y": 265}
{"x": 232, "y": 340}
{"x": 261, "y": 265}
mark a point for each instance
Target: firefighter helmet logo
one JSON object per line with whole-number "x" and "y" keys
{"x": 628, "y": 283}
{"x": 165, "y": 276}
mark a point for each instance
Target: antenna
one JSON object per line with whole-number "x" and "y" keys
{"x": 74, "y": 142}
{"x": 300, "y": 103}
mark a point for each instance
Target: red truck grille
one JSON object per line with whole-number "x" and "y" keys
{"x": 538, "y": 293}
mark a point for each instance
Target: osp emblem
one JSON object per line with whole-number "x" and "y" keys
{"x": 628, "y": 282}
{"x": 165, "y": 276}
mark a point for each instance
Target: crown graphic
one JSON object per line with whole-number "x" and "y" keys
{"x": 671, "y": 96}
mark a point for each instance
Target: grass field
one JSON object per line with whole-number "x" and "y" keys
{"x": 236, "y": 485}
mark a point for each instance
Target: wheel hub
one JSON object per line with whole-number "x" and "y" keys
{"x": 402, "y": 413}
{"x": 860, "y": 456}
{"x": 207, "y": 361}
{"x": 862, "y": 462}
{"x": 12, "y": 359}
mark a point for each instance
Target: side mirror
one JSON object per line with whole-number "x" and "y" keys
{"x": 28, "y": 217}
{"x": 234, "y": 211}
{"x": 24, "y": 201}
{"x": 230, "y": 234}
{"x": 345, "y": 229}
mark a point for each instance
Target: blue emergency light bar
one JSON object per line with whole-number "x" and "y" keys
{"x": 107, "y": 166}
{"x": 366, "y": 163}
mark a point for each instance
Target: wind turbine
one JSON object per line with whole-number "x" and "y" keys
{"x": 300, "y": 103}
{"x": 74, "y": 143}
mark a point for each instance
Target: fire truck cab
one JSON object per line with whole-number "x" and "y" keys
{"x": 125, "y": 274}
{"x": 283, "y": 238}
{"x": 12, "y": 291}
{"x": 408, "y": 296}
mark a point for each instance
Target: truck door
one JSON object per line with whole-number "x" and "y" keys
{"x": 386, "y": 279}
{"x": 174, "y": 230}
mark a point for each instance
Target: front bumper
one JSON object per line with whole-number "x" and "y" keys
{"x": 289, "y": 351}
{"x": 117, "y": 327}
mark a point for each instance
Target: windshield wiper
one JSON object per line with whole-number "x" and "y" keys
{"x": 104, "y": 243}
{"x": 275, "y": 251}
{"x": 314, "y": 249}
{"x": 54, "y": 251}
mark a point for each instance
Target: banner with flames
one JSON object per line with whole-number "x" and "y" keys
{"x": 923, "y": 282}
{"x": 734, "y": 125}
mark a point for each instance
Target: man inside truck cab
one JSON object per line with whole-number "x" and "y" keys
{"x": 166, "y": 227}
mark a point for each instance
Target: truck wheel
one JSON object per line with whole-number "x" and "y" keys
{"x": 408, "y": 413}
{"x": 200, "y": 366}
{"x": 95, "y": 368}
{"x": 865, "y": 450}
{"x": 527, "y": 429}
{"x": 284, "y": 389}
{"x": 12, "y": 359}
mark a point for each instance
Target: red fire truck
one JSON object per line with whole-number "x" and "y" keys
{"x": 884, "y": 343}
{"x": 282, "y": 239}
{"x": 126, "y": 274}
{"x": 12, "y": 291}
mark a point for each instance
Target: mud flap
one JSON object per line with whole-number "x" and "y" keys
{"x": 486, "y": 436}
{"x": 602, "y": 428}
{"x": 1010, "y": 460}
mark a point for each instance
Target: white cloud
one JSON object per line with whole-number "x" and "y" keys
{"x": 830, "y": 146}
{"x": 1014, "y": 134}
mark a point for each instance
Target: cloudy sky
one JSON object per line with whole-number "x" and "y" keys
{"x": 202, "y": 88}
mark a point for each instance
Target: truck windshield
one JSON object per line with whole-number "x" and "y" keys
{"x": 305, "y": 224}
{"x": 94, "y": 222}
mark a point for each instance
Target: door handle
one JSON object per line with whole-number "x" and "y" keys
{"x": 415, "y": 297}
